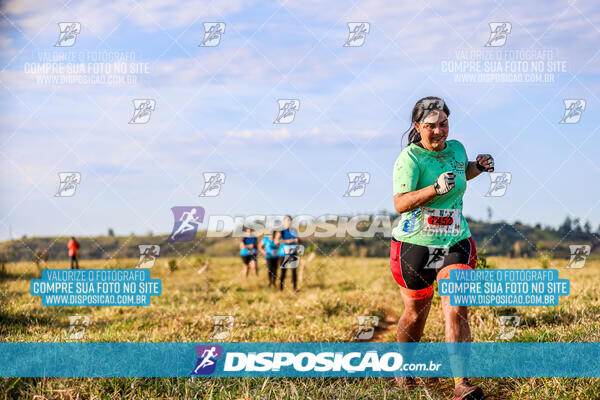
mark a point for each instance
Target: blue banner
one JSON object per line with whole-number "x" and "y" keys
{"x": 299, "y": 359}
{"x": 95, "y": 287}
{"x": 504, "y": 287}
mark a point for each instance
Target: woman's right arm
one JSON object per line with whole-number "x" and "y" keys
{"x": 409, "y": 201}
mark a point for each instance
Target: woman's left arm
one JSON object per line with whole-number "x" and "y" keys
{"x": 484, "y": 162}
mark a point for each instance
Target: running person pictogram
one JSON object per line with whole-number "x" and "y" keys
{"x": 143, "y": 110}
{"x": 430, "y": 179}
{"x": 149, "y": 254}
{"x": 190, "y": 222}
{"x": 207, "y": 359}
{"x": 436, "y": 256}
{"x": 573, "y": 110}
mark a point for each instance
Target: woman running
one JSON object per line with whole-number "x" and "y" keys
{"x": 432, "y": 237}
{"x": 268, "y": 248}
{"x": 248, "y": 252}
{"x": 288, "y": 241}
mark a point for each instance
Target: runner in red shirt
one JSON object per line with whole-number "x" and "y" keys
{"x": 73, "y": 246}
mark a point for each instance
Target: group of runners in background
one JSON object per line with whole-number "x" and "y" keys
{"x": 280, "y": 249}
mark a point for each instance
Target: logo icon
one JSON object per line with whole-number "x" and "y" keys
{"x": 287, "y": 110}
{"x": 573, "y": 110}
{"x": 436, "y": 257}
{"x": 357, "y": 33}
{"x": 579, "y": 253}
{"x": 186, "y": 222}
{"x": 458, "y": 166}
{"x": 357, "y": 183}
{"x": 499, "y": 182}
{"x": 366, "y": 326}
{"x": 410, "y": 223}
{"x": 498, "y": 34}
{"x": 222, "y": 327}
{"x": 431, "y": 109}
{"x": 148, "y": 255}
{"x": 207, "y": 359}
{"x": 212, "y": 34}
{"x": 212, "y": 184}
{"x": 77, "y": 326}
{"x": 292, "y": 256}
{"x": 432, "y": 105}
{"x": 508, "y": 326}
{"x": 68, "y": 33}
{"x": 142, "y": 109}
{"x": 68, "y": 183}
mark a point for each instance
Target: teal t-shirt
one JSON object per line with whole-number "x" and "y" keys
{"x": 440, "y": 222}
{"x": 270, "y": 247}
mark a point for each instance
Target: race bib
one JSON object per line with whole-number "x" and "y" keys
{"x": 441, "y": 221}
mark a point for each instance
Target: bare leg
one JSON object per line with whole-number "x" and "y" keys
{"x": 456, "y": 325}
{"x": 245, "y": 272}
{"x": 301, "y": 271}
{"x": 412, "y": 322}
{"x": 456, "y": 322}
{"x": 253, "y": 267}
{"x": 457, "y": 329}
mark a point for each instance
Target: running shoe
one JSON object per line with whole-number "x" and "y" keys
{"x": 465, "y": 390}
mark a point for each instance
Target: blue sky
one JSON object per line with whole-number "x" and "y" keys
{"x": 215, "y": 108}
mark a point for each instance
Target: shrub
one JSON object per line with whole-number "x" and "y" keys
{"x": 545, "y": 259}
{"x": 37, "y": 258}
{"x": 3, "y": 261}
{"x": 199, "y": 260}
{"x": 482, "y": 261}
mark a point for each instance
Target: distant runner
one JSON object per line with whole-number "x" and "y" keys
{"x": 432, "y": 237}
{"x": 268, "y": 248}
{"x": 73, "y": 246}
{"x": 248, "y": 252}
{"x": 287, "y": 240}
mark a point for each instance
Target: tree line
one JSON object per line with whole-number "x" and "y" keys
{"x": 495, "y": 238}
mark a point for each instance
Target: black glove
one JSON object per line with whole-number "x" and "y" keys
{"x": 485, "y": 162}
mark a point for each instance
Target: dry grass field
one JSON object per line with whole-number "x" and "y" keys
{"x": 334, "y": 292}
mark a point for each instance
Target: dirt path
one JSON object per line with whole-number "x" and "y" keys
{"x": 387, "y": 325}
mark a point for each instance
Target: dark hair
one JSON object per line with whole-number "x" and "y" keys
{"x": 419, "y": 111}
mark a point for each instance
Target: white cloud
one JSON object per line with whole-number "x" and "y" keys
{"x": 102, "y": 16}
{"x": 259, "y": 135}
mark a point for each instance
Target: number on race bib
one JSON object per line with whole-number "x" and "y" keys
{"x": 441, "y": 221}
